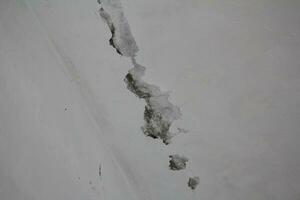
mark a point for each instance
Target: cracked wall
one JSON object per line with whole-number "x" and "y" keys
{"x": 159, "y": 112}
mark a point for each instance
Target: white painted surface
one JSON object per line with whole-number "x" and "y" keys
{"x": 233, "y": 67}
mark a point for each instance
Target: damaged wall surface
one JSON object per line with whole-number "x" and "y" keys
{"x": 149, "y": 100}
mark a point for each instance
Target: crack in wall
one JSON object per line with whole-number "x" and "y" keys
{"x": 159, "y": 112}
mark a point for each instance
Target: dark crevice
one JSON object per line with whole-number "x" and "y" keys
{"x": 105, "y": 16}
{"x": 111, "y": 40}
{"x": 133, "y": 87}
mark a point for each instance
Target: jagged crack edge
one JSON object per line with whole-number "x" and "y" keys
{"x": 159, "y": 111}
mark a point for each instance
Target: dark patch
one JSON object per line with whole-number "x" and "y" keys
{"x": 155, "y": 126}
{"x": 193, "y": 182}
{"x": 177, "y": 162}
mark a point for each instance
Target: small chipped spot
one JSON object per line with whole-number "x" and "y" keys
{"x": 193, "y": 182}
{"x": 177, "y": 162}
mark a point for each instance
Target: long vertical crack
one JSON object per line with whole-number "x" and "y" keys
{"x": 159, "y": 112}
